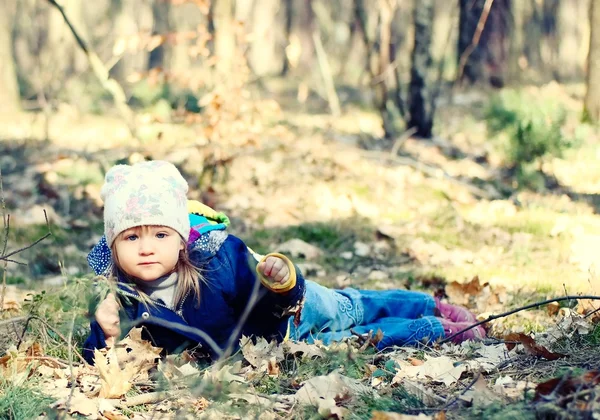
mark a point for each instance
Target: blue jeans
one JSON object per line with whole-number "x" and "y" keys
{"x": 404, "y": 317}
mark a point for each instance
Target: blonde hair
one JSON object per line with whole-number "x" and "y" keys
{"x": 189, "y": 277}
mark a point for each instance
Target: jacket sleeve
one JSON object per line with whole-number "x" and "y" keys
{"x": 96, "y": 340}
{"x": 269, "y": 315}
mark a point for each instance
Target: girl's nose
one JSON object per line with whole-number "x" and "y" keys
{"x": 146, "y": 247}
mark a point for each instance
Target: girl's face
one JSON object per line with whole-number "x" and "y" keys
{"x": 148, "y": 252}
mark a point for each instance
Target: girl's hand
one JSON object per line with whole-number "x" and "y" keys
{"x": 274, "y": 269}
{"x": 107, "y": 316}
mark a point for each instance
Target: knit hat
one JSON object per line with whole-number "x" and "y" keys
{"x": 147, "y": 193}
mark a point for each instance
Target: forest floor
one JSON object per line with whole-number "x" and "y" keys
{"x": 442, "y": 216}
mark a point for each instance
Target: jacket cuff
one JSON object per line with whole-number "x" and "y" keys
{"x": 278, "y": 287}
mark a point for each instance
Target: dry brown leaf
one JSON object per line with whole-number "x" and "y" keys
{"x": 260, "y": 353}
{"x": 461, "y": 293}
{"x": 108, "y": 410}
{"x": 479, "y": 394}
{"x": 81, "y": 404}
{"x": 328, "y": 409}
{"x": 272, "y": 367}
{"x": 135, "y": 351}
{"x": 18, "y": 364}
{"x": 227, "y": 374}
{"x": 531, "y": 346}
{"x": 436, "y": 369}
{"x": 115, "y": 382}
{"x": 384, "y": 415}
{"x": 565, "y": 387}
{"x": 553, "y": 308}
{"x": 308, "y": 351}
{"x": 426, "y": 396}
{"x": 414, "y": 361}
{"x": 333, "y": 386}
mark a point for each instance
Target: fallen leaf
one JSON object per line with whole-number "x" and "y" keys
{"x": 553, "y": 308}
{"x": 479, "y": 394}
{"x": 308, "y": 351}
{"x": 566, "y": 386}
{"x": 227, "y": 374}
{"x": 331, "y": 386}
{"x": 426, "y": 396}
{"x": 81, "y": 404}
{"x": 108, "y": 410}
{"x": 272, "y": 367}
{"x": 328, "y": 409}
{"x": 531, "y": 346}
{"x": 137, "y": 352}
{"x": 115, "y": 382}
{"x": 437, "y": 369}
{"x": 384, "y": 415}
{"x": 461, "y": 293}
{"x": 297, "y": 248}
{"x": 259, "y": 354}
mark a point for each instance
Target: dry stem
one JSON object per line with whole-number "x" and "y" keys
{"x": 514, "y": 311}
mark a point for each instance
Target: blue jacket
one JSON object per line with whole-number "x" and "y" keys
{"x": 228, "y": 266}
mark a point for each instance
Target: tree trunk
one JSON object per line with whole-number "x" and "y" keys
{"x": 592, "y": 97}
{"x": 419, "y": 95}
{"x": 130, "y": 17}
{"x": 487, "y": 60}
{"x": 161, "y": 26}
{"x": 9, "y": 87}
{"x": 266, "y": 55}
{"x": 289, "y": 19}
{"x": 222, "y": 29}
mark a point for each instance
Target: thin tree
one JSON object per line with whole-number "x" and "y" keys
{"x": 420, "y": 104}
{"x": 9, "y": 87}
{"x": 592, "y": 97}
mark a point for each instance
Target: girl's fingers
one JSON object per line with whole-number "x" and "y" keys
{"x": 275, "y": 268}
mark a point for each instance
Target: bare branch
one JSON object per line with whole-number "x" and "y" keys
{"x": 514, "y": 311}
{"x": 101, "y": 72}
{"x": 49, "y": 233}
{"x": 475, "y": 41}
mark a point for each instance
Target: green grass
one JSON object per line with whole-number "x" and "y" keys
{"x": 24, "y": 401}
{"x": 397, "y": 401}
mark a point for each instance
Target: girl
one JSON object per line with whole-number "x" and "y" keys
{"x": 193, "y": 286}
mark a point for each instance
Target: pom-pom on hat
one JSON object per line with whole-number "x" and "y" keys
{"x": 147, "y": 193}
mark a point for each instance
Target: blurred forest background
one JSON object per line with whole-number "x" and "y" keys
{"x": 391, "y": 54}
{"x": 386, "y": 115}
{"x": 446, "y": 146}
{"x": 286, "y": 113}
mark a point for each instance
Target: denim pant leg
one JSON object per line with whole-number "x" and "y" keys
{"x": 329, "y": 314}
{"x": 404, "y": 331}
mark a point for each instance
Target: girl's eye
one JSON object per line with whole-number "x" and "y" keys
{"x": 131, "y": 238}
{"x": 161, "y": 235}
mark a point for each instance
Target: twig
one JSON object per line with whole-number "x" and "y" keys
{"x": 592, "y": 313}
{"x": 401, "y": 140}
{"x": 4, "y": 257}
{"x": 185, "y": 328}
{"x": 101, "y": 73}
{"x": 58, "y": 333}
{"x": 432, "y": 172}
{"x": 514, "y": 311}
{"x": 5, "y": 217}
{"x": 6, "y": 222}
{"x": 149, "y": 398}
{"x": 463, "y": 392}
{"x": 8, "y": 260}
{"x": 54, "y": 360}
{"x": 70, "y": 352}
{"x": 332, "y": 97}
{"x": 475, "y": 41}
